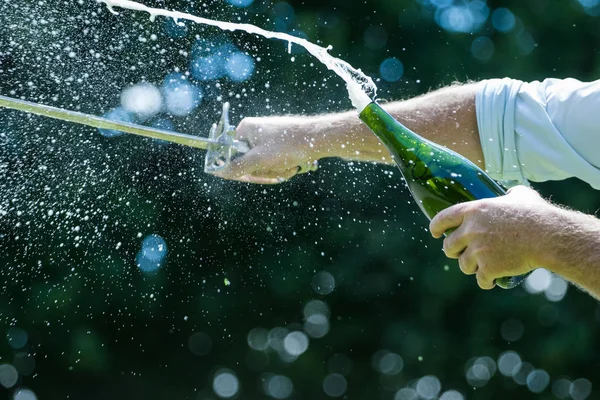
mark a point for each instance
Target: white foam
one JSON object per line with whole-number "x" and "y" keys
{"x": 359, "y": 98}
{"x": 344, "y": 70}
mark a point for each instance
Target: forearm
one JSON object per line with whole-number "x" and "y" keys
{"x": 446, "y": 116}
{"x": 573, "y": 250}
{"x": 284, "y": 146}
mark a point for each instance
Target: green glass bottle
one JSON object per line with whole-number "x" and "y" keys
{"x": 436, "y": 176}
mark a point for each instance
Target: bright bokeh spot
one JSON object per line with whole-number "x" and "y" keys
{"x": 323, "y": 283}
{"x": 226, "y": 384}
{"x": 391, "y": 70}
{"x": 538, "y": 281}
{"x": 295, "y": 343}
{"x": 24, "y": 394}
{"x": 143, "y": 99}
{"x": 239, "y": 67}
{"x": 240, "y": 3}
{"x": 557, "y": 289}
{"x": 152, "y": 254}
{"x": 8, "y": 376}
{"x": 181, "y": 97}
{"x": 464, "y": 18}
{"x": 452, "y": 395}
{"x": 538, "y": 380}
{"x": 580, "y": 389}
{"x": 503, "y": 19}
{"x": 428, "y": 387}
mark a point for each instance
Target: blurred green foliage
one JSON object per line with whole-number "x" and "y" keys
{"x": 75, "y": 207}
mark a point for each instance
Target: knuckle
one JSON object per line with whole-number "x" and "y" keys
{"x": 247, "y": 129}
{"x": 433, "y": 226}
{"x": 449, "y": 247}
{"x": 483, "y": 280}
{"x": 463, "y": 267}
{"x": 243, "y": 127}
{"x": 467, "y": 267}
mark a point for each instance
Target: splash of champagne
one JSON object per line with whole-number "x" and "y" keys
{"x": 361, "y": 88}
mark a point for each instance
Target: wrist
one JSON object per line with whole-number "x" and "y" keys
{"x": 571, "y": 243}
{"x": 346, "y": 136}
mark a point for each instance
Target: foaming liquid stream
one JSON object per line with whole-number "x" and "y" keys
{"x": 361, "y": 88}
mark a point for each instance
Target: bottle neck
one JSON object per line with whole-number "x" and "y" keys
{"x": 396, "y": 137}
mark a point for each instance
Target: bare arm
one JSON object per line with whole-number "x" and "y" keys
{"x": 575, "y": 239}
{"x": 514, "y": 234}
{"x": 282, "y": 144}
{"x": 505, "y": 236}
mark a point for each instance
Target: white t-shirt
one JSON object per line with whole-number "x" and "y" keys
{"x": 540, "y": 131}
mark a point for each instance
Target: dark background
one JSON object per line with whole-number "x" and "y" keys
{"x": 75, "y": 207}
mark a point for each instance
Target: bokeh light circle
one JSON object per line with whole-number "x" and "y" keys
{"x": 258, "y": 339}
{"x": 24, "y": 394}
{"x": 580, "y": 389}
{"x": 278, "y": 386}
{"x": 406, "y": 394}
{"x": 335, "y": 385}
{"x": 239, "y": 67}
{"x": 17, "y": 337}
{"x": 509, "y": 363}
{"x": 143, "y": 99}
{"x": 295, "y": 343}
{"x": 503, "y": 20}
{"x": 428, "y": 387}
{"x": 452, "y": 395}
{"x": 152, "y": 253}
{"x": 323, "y": 283}
{"x": 538, "y": 380}
{"x": 226, "y": 384}
{"x": 391, "y": 70}
{"x": 8, "y": 375}
{"x": 240, "y": 3}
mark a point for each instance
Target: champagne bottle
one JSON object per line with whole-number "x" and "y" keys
{"x": 437, "y": 177}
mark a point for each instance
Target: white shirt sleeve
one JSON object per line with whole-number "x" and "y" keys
{"x": 540, "y": 131}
